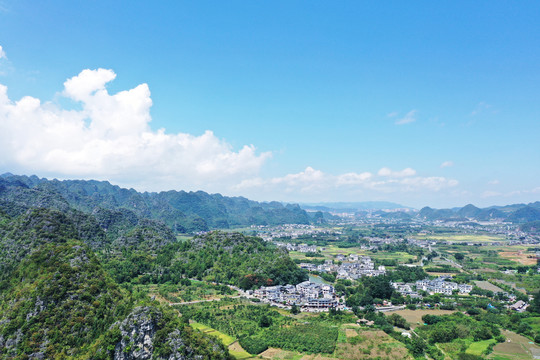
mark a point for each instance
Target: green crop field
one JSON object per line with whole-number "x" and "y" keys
{"x": 479, "y": 347}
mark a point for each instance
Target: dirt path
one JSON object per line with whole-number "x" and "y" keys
{"x": 204, "y": 300}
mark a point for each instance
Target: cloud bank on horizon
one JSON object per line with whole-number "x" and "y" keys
{"x": 110, "y": 137}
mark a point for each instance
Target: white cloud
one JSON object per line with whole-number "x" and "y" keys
{"x": 447, "y": 164}
{"x": 110, "y": 138}
{"x": 392, "y": 114}
{"x": 311, "y": 181}
{"x": 493, "y": 182}
{"x": 407, "y": 119}
{"x": 353, "y": 178}
{"x": 2, "y": 53}
{"x": 396, "y": 174}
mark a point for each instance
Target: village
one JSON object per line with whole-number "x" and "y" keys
{"x": 309, "y": 296}
{"x": 351, "y": 267}
{"x": 441, "y": 285}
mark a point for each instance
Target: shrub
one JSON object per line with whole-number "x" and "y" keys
{"x": 253, "y": 345}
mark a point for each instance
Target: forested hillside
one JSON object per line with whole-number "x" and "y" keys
{"x": 238, "y": 260}
{"x": 69, "y": 276}
{"x": 180, "y": 210}
{"x": 57, "y": 301}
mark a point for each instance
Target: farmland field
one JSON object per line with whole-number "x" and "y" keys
{"x": 368, "y": 344}
{"x": 478, "y": 347}
{"x": 278, "y": 354}
{"x": 521, "y": 257}
{"x": 516, "y": 347}
{"x": 463, "y": 238}
{"x": 234, "y": 347}
{"x": 414, "y": 317}
{"x": 487, "y": 286}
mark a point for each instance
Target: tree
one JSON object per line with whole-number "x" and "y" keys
{"x": 431, "y": 319}
{"x": 295, "y": 310}
{"x": 459, "y": 256}
{"x": 379, "y": 286}
{"x": 417, "y": 346}
{"x": 398, "y": 320}
{"x": 535, "y": 304}
{"x": 411, "y": 306}
{"x": 369, "y": 309}
{"x": 265, "y": 321}
{"x": 339, "y": 288}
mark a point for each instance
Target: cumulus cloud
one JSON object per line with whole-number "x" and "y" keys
{"x": 407, "y": 119}
{"x": 110, "y": 137}
{"x": 2, "y": 53}
{"x": 447, "y": 164}
{"x": 396, "y": 174}
{"x": 314, "y": 181}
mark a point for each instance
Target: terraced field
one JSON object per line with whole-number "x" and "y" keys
{"x": 516, "y": 347}
{"x": 234, "y": 347}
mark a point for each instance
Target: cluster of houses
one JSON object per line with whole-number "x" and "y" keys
{"x": 351, "y": 267}
{"x": 298, "y": 247}
{"x": 293, "y": 231}
{"x": 308, "y": 295}
{"x": 436, "y": 286}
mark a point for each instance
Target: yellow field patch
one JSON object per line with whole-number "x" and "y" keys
{"x": 414, "y": 317}
{"x": 238, "y": 351}
{"x": 524, "y": 258}
{"x": 464, "y": 238}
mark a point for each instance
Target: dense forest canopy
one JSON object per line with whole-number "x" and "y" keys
{"x": 181, "y": 211}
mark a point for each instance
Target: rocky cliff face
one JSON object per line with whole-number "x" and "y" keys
{"x": 138, "y": 331}
{"x": 144, "y": 337}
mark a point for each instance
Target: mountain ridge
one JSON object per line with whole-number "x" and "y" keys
{"x": 182, "y": 211}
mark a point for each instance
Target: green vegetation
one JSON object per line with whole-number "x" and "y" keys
{"x": 236, "y": 259}
{"x": 260, "y": 327}
{"x": 58, "y": 302}
{"x": 182, "y": 211}
{"x": 189, "y": 290}
{"x": 480, "y": 347}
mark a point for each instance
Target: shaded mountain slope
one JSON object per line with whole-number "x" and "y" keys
{"x": 180, "y": 210}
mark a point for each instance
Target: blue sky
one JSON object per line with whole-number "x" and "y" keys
{"x": 421, "y": 103}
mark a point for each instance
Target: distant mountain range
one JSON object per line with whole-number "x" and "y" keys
{"x": 181, "y": 211}
{"x": 119, "y": 208}
{"x": 352, "y": 206}
{"x": 516, "y": 213}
